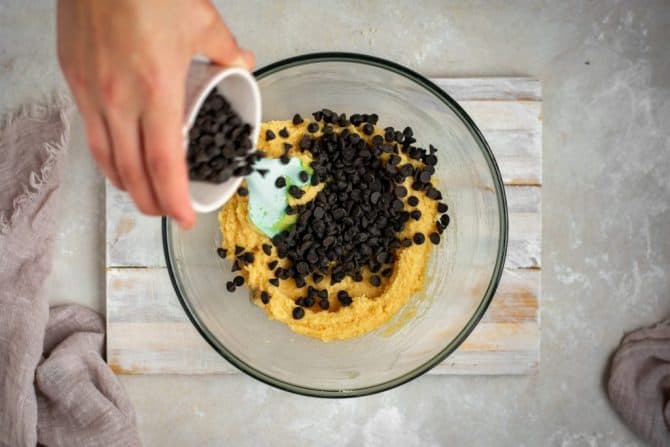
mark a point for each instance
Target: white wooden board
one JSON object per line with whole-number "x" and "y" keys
{"x": 148, "y": 332}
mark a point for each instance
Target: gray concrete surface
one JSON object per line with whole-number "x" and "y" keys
{"x": 605, "y": 68}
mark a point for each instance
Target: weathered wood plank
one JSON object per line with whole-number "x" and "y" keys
{"x": 148, "y": 332}
{"x": 192, "y": 355}
{"x": 524, "y": 249}
{"x": 145, "y": 295}
{"x": 519, "y": 155}
{"x": 494, "y": 88}
{"x": 505, "y": 115}
{"x": 134, "y": 240}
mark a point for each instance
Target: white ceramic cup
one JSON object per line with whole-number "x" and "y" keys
{"x": 240, "y": 89}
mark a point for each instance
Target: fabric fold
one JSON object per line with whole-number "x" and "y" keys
{"x": 639, "y": 383}
{"x": 55, "y": 387}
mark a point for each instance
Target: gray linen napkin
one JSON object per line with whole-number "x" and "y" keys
{"x": 639, "y": 383}
{"x": 55, "y": 388}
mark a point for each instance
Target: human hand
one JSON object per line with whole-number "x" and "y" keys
{"x": 126, "y": 63}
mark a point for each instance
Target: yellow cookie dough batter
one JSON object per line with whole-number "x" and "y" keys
{"x": 372, "y": 306}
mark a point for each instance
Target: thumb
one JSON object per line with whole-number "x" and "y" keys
{"x": 220, "y": 46}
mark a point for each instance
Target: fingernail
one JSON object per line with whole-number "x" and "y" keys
{"x": 239, "y": 61}
{"x": 249, "y": 58}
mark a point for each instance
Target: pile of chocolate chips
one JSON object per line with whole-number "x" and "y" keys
{"x": 219, "y": 143}
{"x": 354, "y": 222}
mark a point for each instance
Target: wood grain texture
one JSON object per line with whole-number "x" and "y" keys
{"x": 149, "y": 333}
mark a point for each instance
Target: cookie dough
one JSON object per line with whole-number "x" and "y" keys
{"x": 371, "y": 306}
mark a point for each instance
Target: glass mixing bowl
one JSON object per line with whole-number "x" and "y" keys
{"x": 462, "y": 273}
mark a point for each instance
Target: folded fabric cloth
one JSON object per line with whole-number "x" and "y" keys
{"x": 55, "y": 388}
{"x": 639, "y": 383}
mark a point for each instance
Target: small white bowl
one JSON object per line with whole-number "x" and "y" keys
{"x": 240, "y": 89}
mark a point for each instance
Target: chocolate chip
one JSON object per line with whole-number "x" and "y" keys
{"x": 274, "y": 282}
{"x": 368, "y": 129}
{"x": 267, "y": 249}
{"x": 419, "y": 238}
{"x": 222, "y": 252}
{"x": 238, "y": 250}
{"x": 297, "y": 119}
{"x": 424, "y": 177}
{"x": 416, "y": 214}
{"x": 238, "y": 281}
{"x": 265, "y": 297}
{"x": 412, "y": 201}
{"x": 374, "y": 197}
{"x": 247, "y": 257}
{"x": 269, "y": 135}
{"x": 442, "y": 208}
{"x": 230, "y": 286}
{"x": 280, "y": 182}
{"x": 400, "y": 191}
{"x": 272, "y": 264}
{"x": 319, "y": 212}
{"x": 387, "y": 272}
{"x": 295, "y": 192}
{"x": 235, "y": 267}
{"x": 312, "y": 127}
{"x": 318, "y": 116}
{"x": 298, "y": 313}
{"x": 344, "y": 298}
{"x": 283, "y": 133}
{"x": 433, "y": 194}
{"x": 242, "y": 191}
{"x": 407, "y": 170}
{"x": 324, "y": 304}
{"x": 444, "y": 220}
{"x": 434, "y": 238}
{"x": 375, "y": 280}
{"x": 284, "y": 159}
{"x": 303, "y": 176}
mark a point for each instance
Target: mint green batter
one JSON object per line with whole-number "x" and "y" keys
{"x": 267, "y": 203}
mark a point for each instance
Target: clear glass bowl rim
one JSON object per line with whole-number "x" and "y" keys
{"x": 377, "y": 62}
